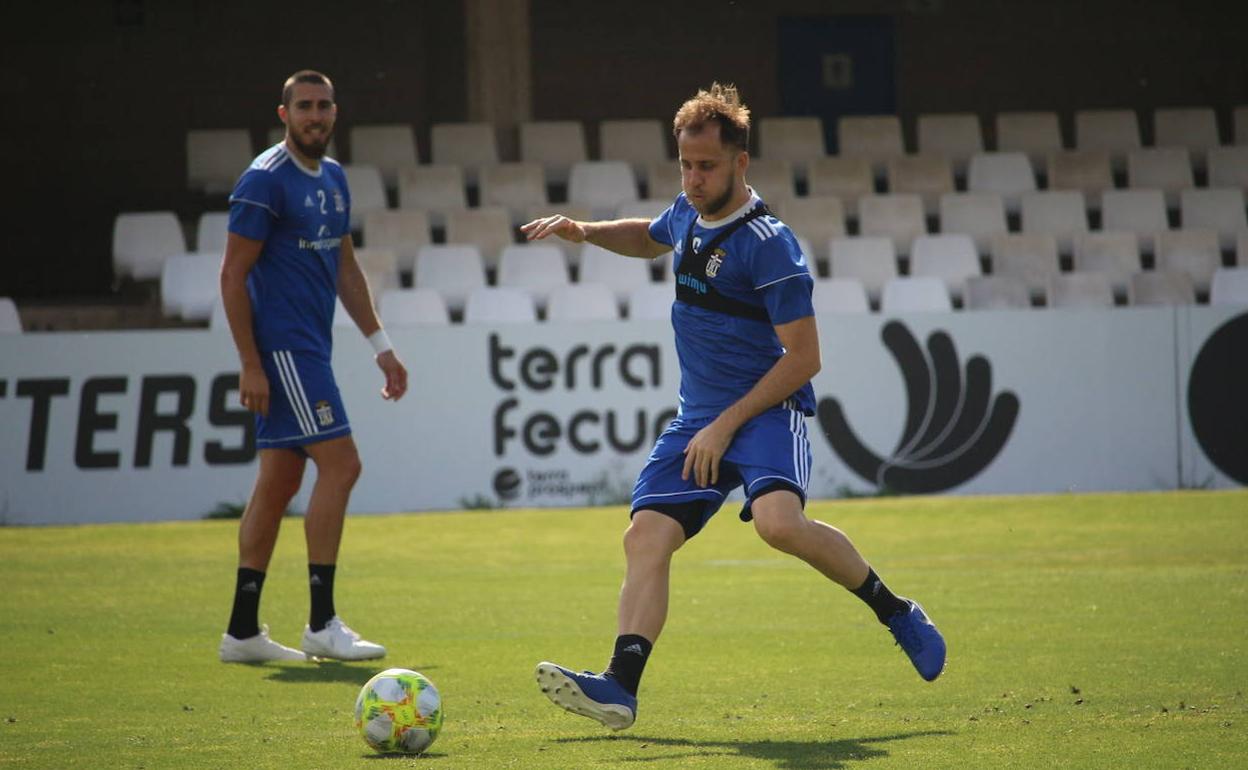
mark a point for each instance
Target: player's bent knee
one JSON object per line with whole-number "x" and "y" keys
{"x": 652, "y": 532}
{"x": 779, "y": 521}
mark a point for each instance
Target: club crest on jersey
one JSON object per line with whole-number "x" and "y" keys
{"x": 324, "y": 414}
{"x": 714, "y": 262}
{"x": 339, "y": 205}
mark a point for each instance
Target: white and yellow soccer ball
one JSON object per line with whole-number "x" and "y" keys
{"x": 399, "y": 712}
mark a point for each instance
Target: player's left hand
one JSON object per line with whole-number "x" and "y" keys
{"x": 396, "y": 375}
{"x": 704, "y": 451}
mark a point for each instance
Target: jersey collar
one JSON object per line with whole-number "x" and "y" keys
{"x": 745, "y": 209}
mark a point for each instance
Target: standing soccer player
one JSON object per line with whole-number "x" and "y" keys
{"x": 748, "y": 347}
{"x": 288, "y": 256}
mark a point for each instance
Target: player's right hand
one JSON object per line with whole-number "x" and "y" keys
{"x": 557, "y": 224}
{"x": 253, "y": 390}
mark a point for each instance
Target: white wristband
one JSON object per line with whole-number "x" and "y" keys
{"x": 380, "y": 342}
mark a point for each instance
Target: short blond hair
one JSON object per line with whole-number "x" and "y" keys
{"x": 719, "y": 104}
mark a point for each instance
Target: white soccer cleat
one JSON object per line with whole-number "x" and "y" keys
{"x": 256, "y": 649}
{"x": 337, "y": 640}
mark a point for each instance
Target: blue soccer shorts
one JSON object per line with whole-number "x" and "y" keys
{"x": 770, "y": 451}
{"x": 304, "y": 403}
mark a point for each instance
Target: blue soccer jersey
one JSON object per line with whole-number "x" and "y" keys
{"x": 302, "y": 217}
{"x": 759, "y": 267}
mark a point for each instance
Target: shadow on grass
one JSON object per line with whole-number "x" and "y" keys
{"x": 428, "y": 755}
{"x": 786, "y": 755}
{"x": 357, "y": 672}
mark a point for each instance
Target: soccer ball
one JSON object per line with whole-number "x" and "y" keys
{"x": 399, "y": 711}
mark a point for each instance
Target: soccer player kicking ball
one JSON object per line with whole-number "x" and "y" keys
{"x": 289, "y": 254}
{"x": 748, "y": 347}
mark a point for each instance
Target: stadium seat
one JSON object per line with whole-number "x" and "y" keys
{"x": 1060, "y": 213}
{"x": 1160, "y": 168}
{"x": 381, "y": 268}
{"x": 873, "y": 137}
{"x": 870, "y": 261}
{"x": 899, "y": 217}
{"x": 141, "y": 241}
{"x": 957, "y": 136}
{"x": 652, "y": 302}
{"x": 617, "y": 272}
{"x": 771, "y": 179}
{"x": 1228, "y": 167}
{"x": 1008, "y": 174}
{"x": 413, "y": 307}
{"x": 1079, "y": 290}
{"x": 435, "y": 190}
{"x": 1038, "y": 134}
{"x": 1030, "y": 257}
{"x": 212, "y": 231}
{"x": 10, "y": 320}
{"x": 951, "y": 258}
{"x": 840, "y": 295}
{"x": 601, "y": 186}
{"x": 556, "y": 145}
{"x": 1240, "y": 119}
{"x": 1241, "y": 248}
{"x": 663, "y": 180}
{"x": 515, "y": 186}
{"x": 1142, "y": 212}
{"x": 979, "y": 215}
{"x": 453, "y": 270}
{"x": 368, "y": 192}
{"x": 405, "y": 232}
{"x": 1160, "y": 288}
{"x": 385, "y": 147}
{"x": 795, "y": 140}
{"x": 582, "y": 302}
{"x": 535, "y": 267}
{"x": 1116, "y": 132}
{"x": 471, "y": 146}
{"x": 646, "y": 208}
{"x": 278, "y": 134}
{"x": 849, "y": 179}
{"x": 488, "y": 228}
{"x": 1192, "y": 128}
{"x": 928, "y": 176}
{"x": 189, "y": 284}
{"x": 1220, "y": 210}
{"x": 638, "y": 142}
{"x": 1194, "y": 253}
{"x": 499, "y": 305}
{"x": 995, "y": 292}
{"x": 216, "y": 158}
{"x": 1115, "y": 255}
{"x": 818, "y": 219}
{"x": 1229, "y": 286}
{"x": 915, "y": 294}
{"x": 1087, "y": 171}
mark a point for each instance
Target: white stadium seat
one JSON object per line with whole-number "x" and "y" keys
{"x": 403, "y": 231}
{"x": 849, "y": 179}
{"x": 515, "y": 186}
{"x": 216, "y": 158}
{"x": 435, "y": 190}
{"x": 899, "y": 217}
{"x": 555, "y": 144}
{"x": 1161, "y": 168}
{"x": 1080, "y": 290}
{"x": 1229, "y": 286}
{"x": 996, "y": 292}
{"x": 638, "y": 142}
{"x": 499, "y": 304}
{"x": 368, "y": 193}
{"x": 189, "y": 284}
{"x": 915, "y": 294}
{"x": 873, "y": 137}
{"x": 142, "y": 240}
{"x": 1060, "y": 213}
{"x": 1220, "y": 209}
{"x": 1160, "y": 288}
{"x": 951, "y": 258}
{"x": 652, "y": 302}
{"x": 212, "y": 232}
{"x": 10, "y": 320}
{"x": 772, "y": 179}
{"x": 537, "y": 268}
{"x": 454, "y": 270}
{"x": 1142, "y": 212}
{"x": 1037, "y": 134}
{"x": 488, "y": 228}
{"x": 957, "y": 136}
{"x": 1194, "y": 253}
{"x": 797, "y": 140}
{"x": 1009, "y": 174}
{"x": 617, "y": 272}
{"x": 818, "y": 219}
{"x": 840, "y": 295}
{"x": 1192, "y": 128}
{"x": 1228, "y": 167}
{"x": 928, "y": 176}
{"x": 413, "y": 307}
{"x": 582, "y": 302}
{"x": 386, "y": 147}
{"x": 1030, "y": 257}
{"x": 471, "y": 146}
{"x": 979, "y": 215}
{"x": 1115, "y": 255}
{"x": 872, "y": 261}
{"x": 1117, "y": 132}
{"x": 601, "y": 186}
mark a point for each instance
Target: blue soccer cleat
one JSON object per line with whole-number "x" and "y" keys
{"x": 918, "y": 638}
{"x": 590, "y": 695}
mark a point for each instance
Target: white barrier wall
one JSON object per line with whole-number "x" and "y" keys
{"x": 145, "y": 425}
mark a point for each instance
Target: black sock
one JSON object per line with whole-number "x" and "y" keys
{"x": 877, "y": 596}
{"x": 245, "y": 617}
{"x": 628, "y": 661}
{"x": 321, "y": 585}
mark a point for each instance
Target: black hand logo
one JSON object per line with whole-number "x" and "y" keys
{"x": 952, "y": 430}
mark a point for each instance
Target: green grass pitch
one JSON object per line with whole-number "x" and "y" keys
{"x": 1084, "y": 631}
